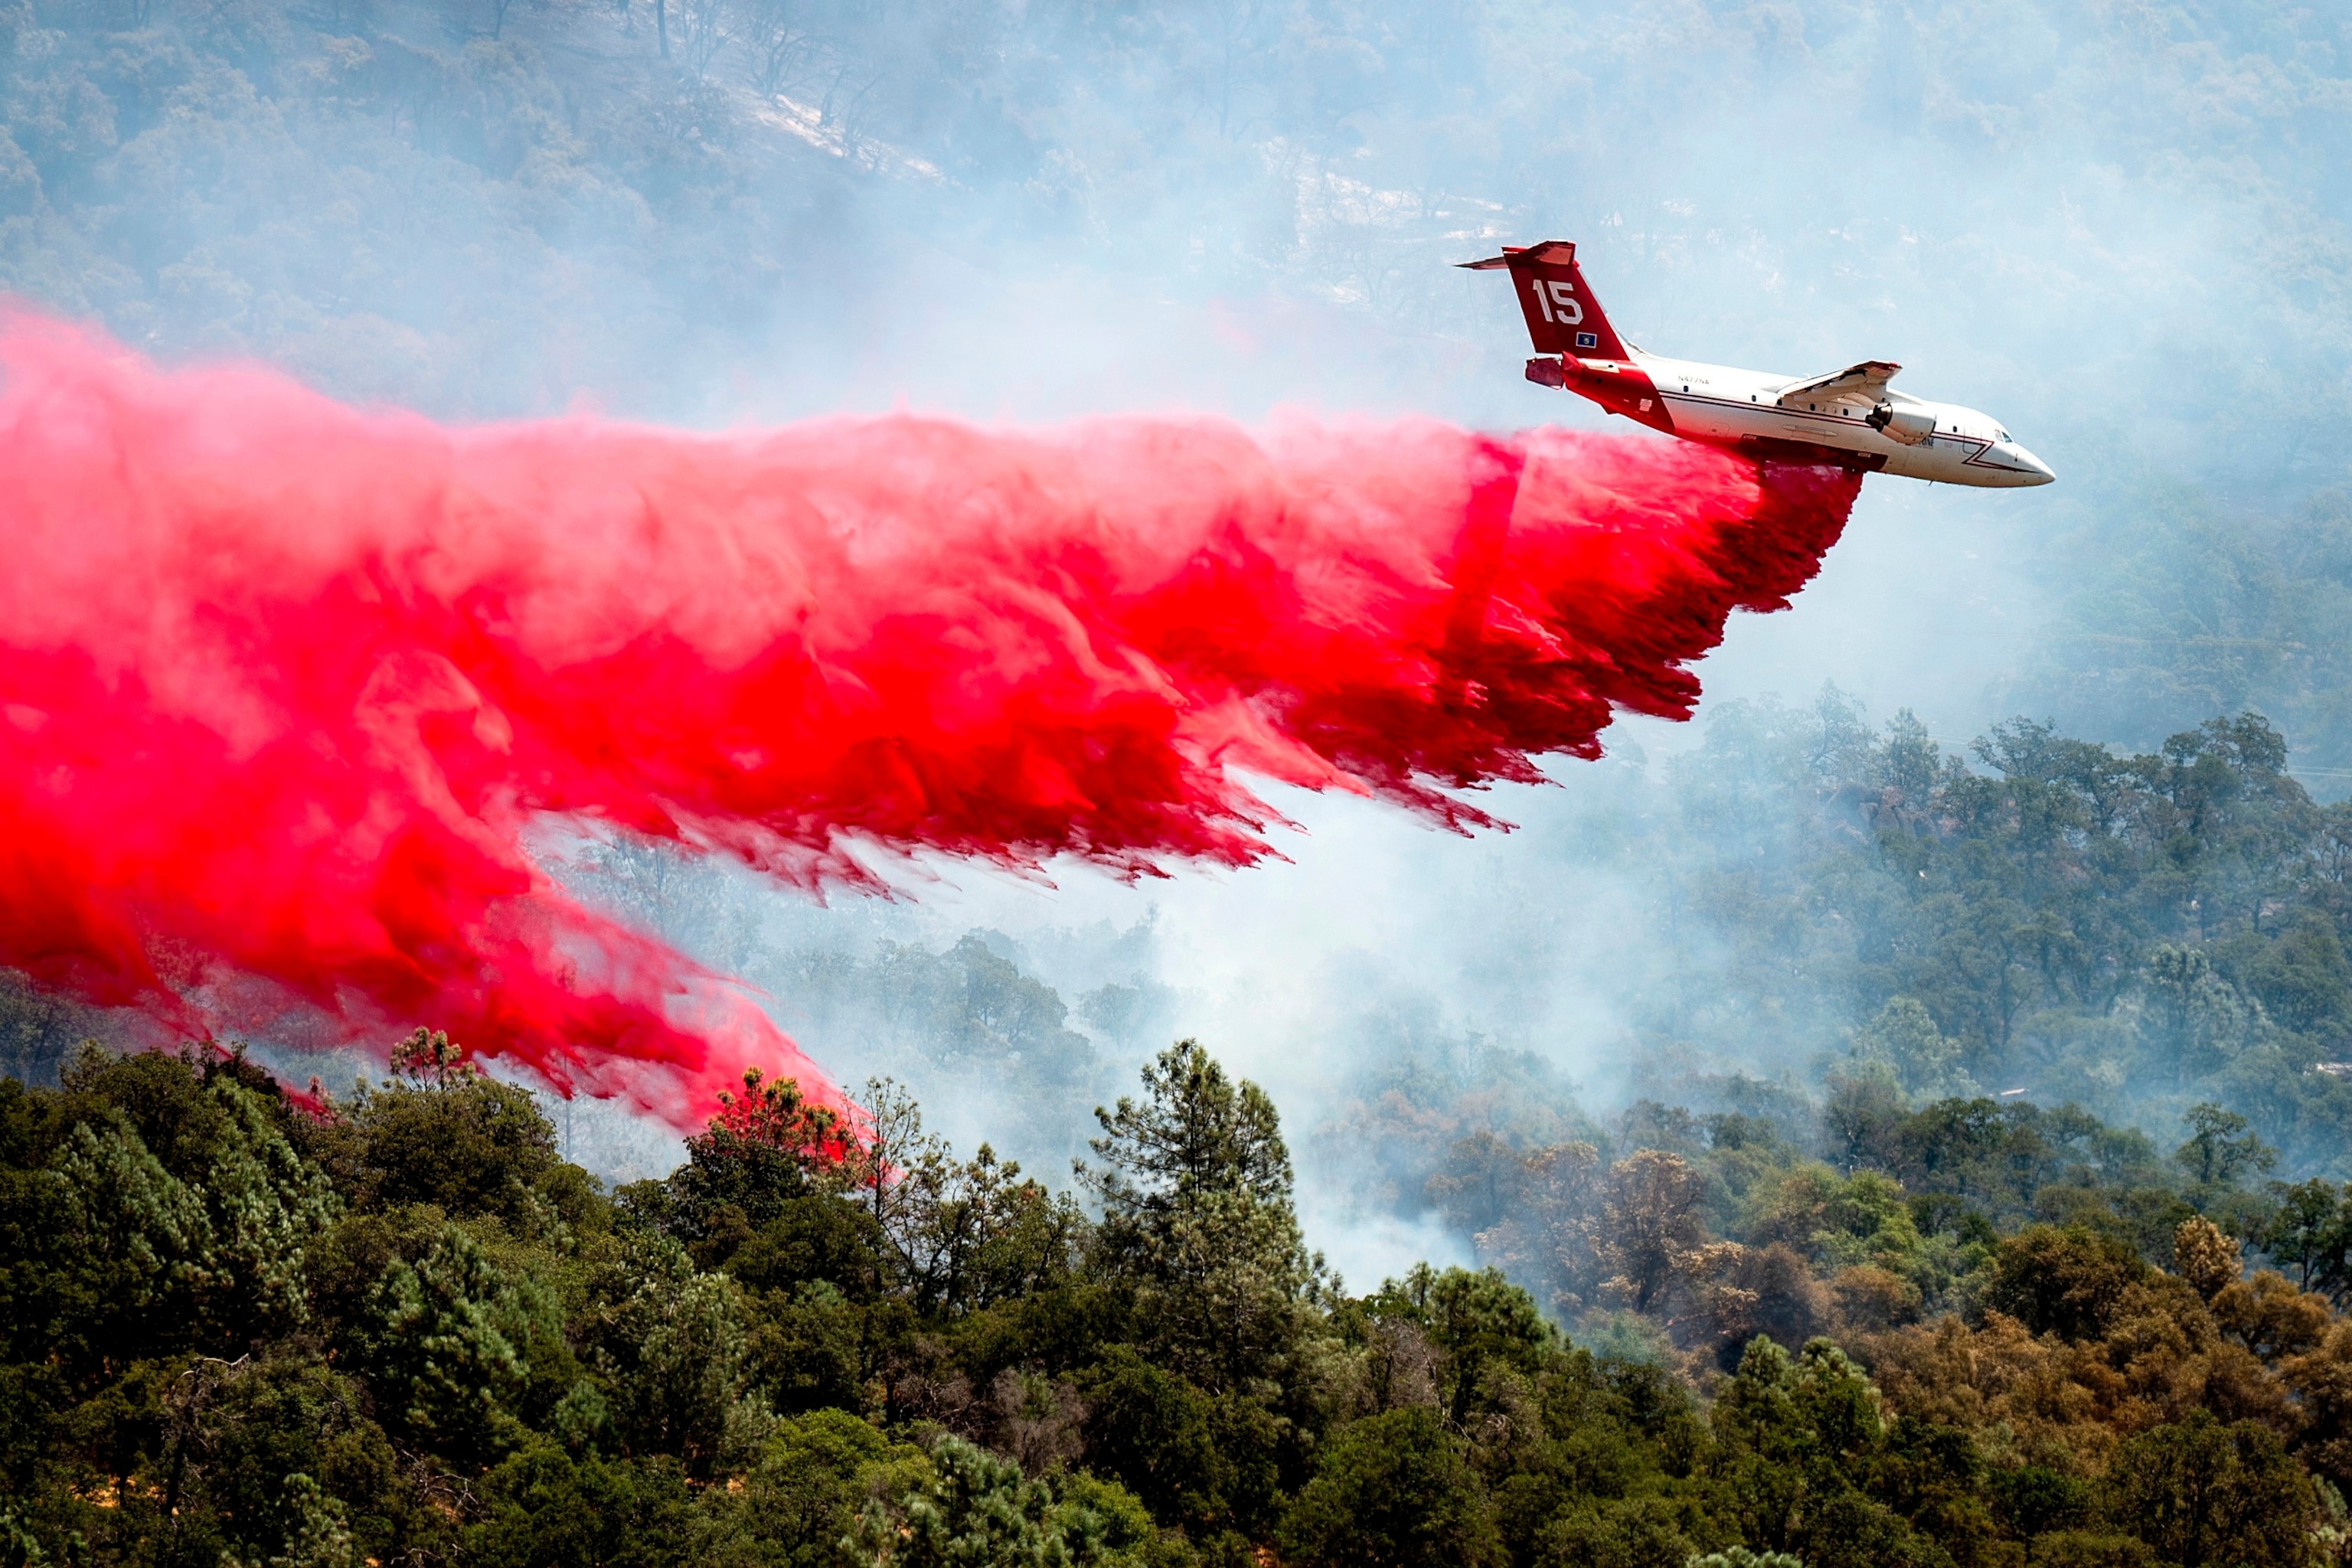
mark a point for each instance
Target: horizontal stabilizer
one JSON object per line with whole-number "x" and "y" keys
{"x": 1553, "y": 250}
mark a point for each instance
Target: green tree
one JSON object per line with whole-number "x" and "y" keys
{"x": 542, "y": 1507}
{"x": 1864, "y": 1117}
{"x": 962, "y": 1233}
{"x": 980, "y": 1511}
{"x": 1484, "y": 1325}
{"x": 1195, "y": 1185}
{"x": 2222, "y": 1151}
{"x": 2201, "y": 1492}
{"x": 2193, "y": 1020}
{"x": 816, "y": 1476}
{"x": 1798, "y": 1442}
{"x": 1903, "y": 1035}
{"x": 669, "y": 1342}
{"x": 445, "y": 1343}
{"x": 817, "y": 1238}
{"x": 173, "y": 1213}
{"x": 283, "y": 1455}
{"x": 2310, "y": 1231}
{"x": 766, "y": 1147}
{"x": 1625, "y": 1532}
{"x": 319, "y": 1535}
{"x": 806, "y": 1348}
{"x": 1392, "y": 1490}
{"x": 2301, "y": 976}
{"x": 1194, "y": 1133}
{"x": 441, "y": 1132}
{"x": 1156, "y": 1433}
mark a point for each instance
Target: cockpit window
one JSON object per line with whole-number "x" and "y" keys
{"x": 1997, "y": 430}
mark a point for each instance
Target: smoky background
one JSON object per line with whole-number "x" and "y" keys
{"x": 2118, "y": 227}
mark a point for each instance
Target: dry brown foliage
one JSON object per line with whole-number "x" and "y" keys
{"x": 2259, "y": 1350}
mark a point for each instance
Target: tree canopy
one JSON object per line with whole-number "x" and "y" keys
{"x": 243, "y": 1328}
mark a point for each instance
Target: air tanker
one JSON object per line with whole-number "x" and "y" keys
{"x": 1850, "y": 418}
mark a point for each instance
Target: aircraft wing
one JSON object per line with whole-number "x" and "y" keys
{"x": 1864, "y": 382}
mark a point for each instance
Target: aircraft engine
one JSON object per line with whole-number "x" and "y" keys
{"x": 1909, "y": 426}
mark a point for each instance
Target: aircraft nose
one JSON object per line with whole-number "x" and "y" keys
{"x": 2031, "y": 470}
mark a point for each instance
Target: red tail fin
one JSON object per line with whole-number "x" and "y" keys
{"x": 1563, "y": 318}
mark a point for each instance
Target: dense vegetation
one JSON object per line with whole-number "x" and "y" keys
{"x": 1838, "y": 928}
{"x": 399, "y": 1328}
{"x": 1866, "y": 1301}
{"x": 2141, "y": 932}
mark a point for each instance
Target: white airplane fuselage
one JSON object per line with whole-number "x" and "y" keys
{"x": 1850, "y": 418}
{"x": 1746, "y": 408}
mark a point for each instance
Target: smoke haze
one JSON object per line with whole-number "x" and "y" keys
{"x": 2118, "y": 227}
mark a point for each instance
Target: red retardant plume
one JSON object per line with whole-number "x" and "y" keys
{"x": 286, "y": 687}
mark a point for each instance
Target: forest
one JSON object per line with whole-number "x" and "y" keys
{"x": 2042, "y": 1255}
{"x": 396, "y": 1326}
{"x": 1980, "y": 1196}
